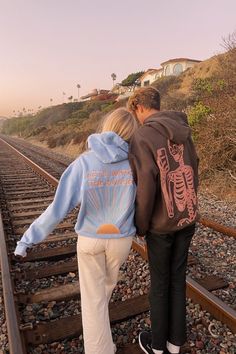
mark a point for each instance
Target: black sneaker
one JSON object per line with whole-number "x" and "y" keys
{"x": 145, "y": 342}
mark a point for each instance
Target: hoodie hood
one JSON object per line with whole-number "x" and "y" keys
{"x": 108, "y": 147}
{"x": 173, "y": 125}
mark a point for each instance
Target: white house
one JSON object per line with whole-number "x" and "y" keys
{"x": 177, "y": 66}
{"x": 169, "y": 67}
{"x": 150, "y": 76}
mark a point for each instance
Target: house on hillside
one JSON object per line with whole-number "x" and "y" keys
{"x": 90, "y": 95}
{"x": 169, "y": 67}
{"x": 99, "y": 95}
{"x": 177, "y": 66}
{"x": 150, "y": 76}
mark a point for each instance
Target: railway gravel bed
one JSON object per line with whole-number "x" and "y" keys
{"x": 216, "y": 255}
{"x": 133, "y": 281}
{"x": 200, "y": 341}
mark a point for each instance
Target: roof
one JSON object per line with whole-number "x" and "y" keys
{"x": 150, "y": 71}
{"x": 179, "y": 59}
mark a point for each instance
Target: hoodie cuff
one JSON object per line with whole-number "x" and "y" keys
{"x": 21, "y": 249}
{"x": 141, "y": 232}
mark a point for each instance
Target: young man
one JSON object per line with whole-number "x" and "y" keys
{"x": 165, "y": 167}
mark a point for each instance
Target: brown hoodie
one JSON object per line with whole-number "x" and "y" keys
{"x": 165, "y": 168}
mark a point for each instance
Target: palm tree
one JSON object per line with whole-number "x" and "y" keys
{"x": 63, "y": 95}
{"x": 51, "y": 101}
{"x": 113, "y": 76}
{"x": 70, "y": 98}
{"x": 78, "y": 87}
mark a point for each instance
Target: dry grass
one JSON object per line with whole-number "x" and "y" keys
{"x": 216, "y": 143}
{"x": 202, "y": 70}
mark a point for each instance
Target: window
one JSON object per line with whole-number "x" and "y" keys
{"x": 178, "y": 69}
{"x": 146, "y": 83}
{"x": 167, "y": 70}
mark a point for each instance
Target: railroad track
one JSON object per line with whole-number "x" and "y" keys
{"x": 26, "y": 190}
{"x": 52, "y": 162}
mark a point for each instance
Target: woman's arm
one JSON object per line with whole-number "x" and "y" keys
{"x": 66, "y": 198}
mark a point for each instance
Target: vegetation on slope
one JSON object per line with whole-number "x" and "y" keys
{"x": 207, "y": 93}
{"x": 62, "y": 124}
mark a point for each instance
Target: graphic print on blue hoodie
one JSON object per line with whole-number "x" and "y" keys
{"x": 101, "y": 182}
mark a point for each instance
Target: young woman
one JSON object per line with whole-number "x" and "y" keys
{"x": 101, "y": 182}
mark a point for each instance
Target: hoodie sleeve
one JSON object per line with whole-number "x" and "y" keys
{"x": 67, "y": 197}
{"x": 145, "y": 174}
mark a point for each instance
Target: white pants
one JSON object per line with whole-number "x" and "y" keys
{"x": 99, "y": 263}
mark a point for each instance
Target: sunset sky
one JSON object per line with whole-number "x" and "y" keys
{"x": 50, "y": 46}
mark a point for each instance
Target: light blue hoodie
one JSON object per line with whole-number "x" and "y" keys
{"x": 101, "y": 182}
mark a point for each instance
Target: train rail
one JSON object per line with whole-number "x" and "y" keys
{"x": 34, "y": 191}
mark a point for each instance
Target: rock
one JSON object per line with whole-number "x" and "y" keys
{"x": 199, "y": 344}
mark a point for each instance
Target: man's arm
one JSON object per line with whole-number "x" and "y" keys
{"x": 145, "y": 172}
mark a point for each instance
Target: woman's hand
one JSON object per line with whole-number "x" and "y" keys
{"x": 21, "y": 250}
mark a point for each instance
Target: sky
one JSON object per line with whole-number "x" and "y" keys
{"x": 47, "y": 47}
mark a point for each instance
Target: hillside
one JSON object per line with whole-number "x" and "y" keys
{"x": 206, "y": 92}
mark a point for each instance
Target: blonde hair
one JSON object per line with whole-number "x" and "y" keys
{"x": 121, "y": 122}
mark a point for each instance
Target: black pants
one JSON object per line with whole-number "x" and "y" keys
{"x": 168, "y": 255}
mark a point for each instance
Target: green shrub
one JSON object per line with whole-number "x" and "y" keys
{"x": 107, "y": 107}
{"x": 92, "y": 106}
{"x": 20, "y": 125}
{"x": 131, "y": 79}
{"x": 197, "y": 112}
{"x": 221, "y": 84}
{"x": 202, "y": 86}
{"x": 208, "y": 87}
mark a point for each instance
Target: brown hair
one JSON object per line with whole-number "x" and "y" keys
{"x": 149, "y": 97}
{"x": 121, "y": 122}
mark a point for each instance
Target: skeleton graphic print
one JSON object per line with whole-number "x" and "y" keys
{"x": 177, "y": 185}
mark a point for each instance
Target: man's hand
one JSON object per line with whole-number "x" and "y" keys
{"x": 141, "y": 239}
